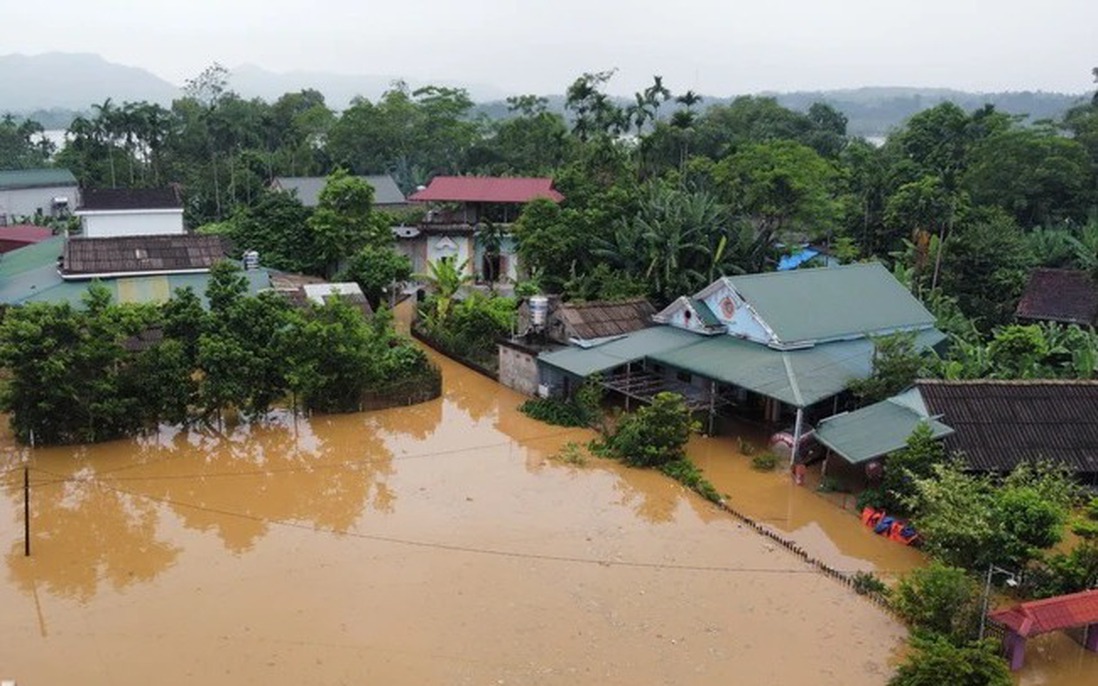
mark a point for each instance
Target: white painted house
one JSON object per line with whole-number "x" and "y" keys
{"x": 114, "y": 212}
{"x": 42, "y": 193}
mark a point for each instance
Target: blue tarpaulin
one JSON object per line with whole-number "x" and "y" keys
{"x": 796, "y": 259}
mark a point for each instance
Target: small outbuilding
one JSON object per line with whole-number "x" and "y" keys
{"x": 1065, "y": 296}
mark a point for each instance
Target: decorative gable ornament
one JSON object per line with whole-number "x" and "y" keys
{"x": 446, "y": 243}
{"x": 728, "y": 307}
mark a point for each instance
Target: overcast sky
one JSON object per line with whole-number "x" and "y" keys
{"x": 718, "y": 47}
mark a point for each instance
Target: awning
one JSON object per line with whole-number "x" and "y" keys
{"x": 584, "y": 362}
{"x": 876, "y": 430}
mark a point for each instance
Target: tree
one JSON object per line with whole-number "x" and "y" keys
{"x": 594, "y": 112}
{"x": 985, "y": 265}
{"x": 445, "y": 278}
{"x": 896, "y": 363}
{"x": 22, "y": 145}
{"x": 344, "y": 222}
{"x": 277, "y": 227}
{"x": 939, "y": 600}
{"x": 656, "y": 434}
{"x": 377, "y": 270}
{"x": 935, "y": 661}
{"x": 971, "y": 521}
{"x": 1035, "y": 174}
{"x": 904, "y": 467}
{"x": 780, "y": 186}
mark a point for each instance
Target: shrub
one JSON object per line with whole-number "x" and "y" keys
{"x": 765, "y": 462}
{"x": 934, "y": 661}
{"x": 655, "y": 434}
{"x": 940, "y": 600}
{"x": 867, "y": 583}
{"x": 870, "y": 497}
{"x": 747, "y": 448}
{"x": 553, "y": 411}
{"x": 687, "y": 473}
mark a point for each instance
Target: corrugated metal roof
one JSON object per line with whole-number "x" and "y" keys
{"x": 635, "y": 346}
{"x": 797, "y": 377}
{"x": 487, "y": 189}
{"x": 1050, "y": 614}
{"x": 876, "y": 430}
{"x": 1000, "y": 424}
{"x": 832, "y": 302}
{"x": 307, "y": 188}
{"x": 1060, "y": 295}
{"x": 11, "y": 179}
{"x": 102, "y": 199}
{"x": 25, "y": 233}
{"x": 708, "y": 318}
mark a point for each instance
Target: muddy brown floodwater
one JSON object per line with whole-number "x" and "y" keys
{"x": 434, "y": 544}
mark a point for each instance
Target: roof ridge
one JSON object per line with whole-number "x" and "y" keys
{"x": 810, "y": 270}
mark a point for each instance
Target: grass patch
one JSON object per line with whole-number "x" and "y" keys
{"x": 765, "y": 462}
{"x": 867, "y": 583}
{"x": 687, "y": 473}
{"x": 571, "y": 453}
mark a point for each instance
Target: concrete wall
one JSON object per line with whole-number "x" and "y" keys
{"x": 26, "y": 202}
{"x": 132, "y": 223}
{"x": 518, "y": 369}
{"x": 457, "y": 246}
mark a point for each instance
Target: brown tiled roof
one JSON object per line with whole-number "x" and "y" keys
{"x": 1059, "y": 295}
{"x": 1050, "y": 614}
{"x": 1000, "y": 424}
{"x": 125, "y": 254}
{"x": 130, "y": 199}
{"x": 599, "y": 319}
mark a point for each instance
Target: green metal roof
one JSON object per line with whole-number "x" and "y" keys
{"x": 35, "y": 178}
{"x": 635, "y": 346}
{"x": 704, "y": 313}
{"x": 832, "y": 302}
{"x": 797, "y": 377}
{"x": 875, "y": 430}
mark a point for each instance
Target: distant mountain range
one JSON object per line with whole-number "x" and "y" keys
{"x": 53, "y": 87}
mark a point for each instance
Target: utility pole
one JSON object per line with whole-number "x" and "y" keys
{"x": 26, "y": 511}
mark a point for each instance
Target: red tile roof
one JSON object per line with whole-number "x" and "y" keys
{"x": 486, "y": 189}
{"x": 1050, "y": 614}
{"x": 25, "y": 233}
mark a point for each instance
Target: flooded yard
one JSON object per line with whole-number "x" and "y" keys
{"x": 434, "y": 544}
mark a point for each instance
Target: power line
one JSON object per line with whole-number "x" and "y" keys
{"x": 470, "y": 549}
{"x": 100, "y": 478}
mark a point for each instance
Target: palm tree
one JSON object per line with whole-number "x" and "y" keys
{"x": 445, "y": 277}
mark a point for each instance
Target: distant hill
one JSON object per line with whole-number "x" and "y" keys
{"x": 876, "y": 111}
{"x": 74, "y": 81}
{"x": 872, "y": 111}
{"x": 53, "y": 87}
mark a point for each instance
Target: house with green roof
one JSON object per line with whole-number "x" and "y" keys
{"x": 61, "y": 270}
{"x": 783, "y": 345}
{"x": 26, "y": 193}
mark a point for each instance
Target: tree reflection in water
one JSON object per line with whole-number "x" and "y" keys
{"x": 96, "y": 510}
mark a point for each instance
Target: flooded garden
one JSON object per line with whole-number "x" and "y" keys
{"x": 436, "y": 543}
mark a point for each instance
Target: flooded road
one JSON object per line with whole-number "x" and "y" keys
{"x": 434, "y": 544}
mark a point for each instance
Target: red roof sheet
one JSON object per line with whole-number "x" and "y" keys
{"x": 486, "y": 189}
{"x": 1050, "y": 614}
{"x": 25, "y": 233}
